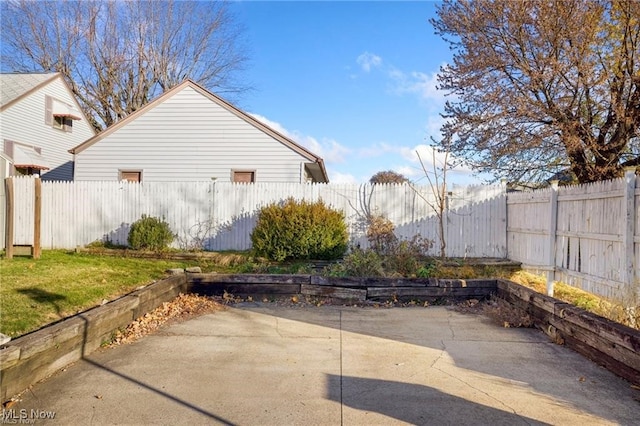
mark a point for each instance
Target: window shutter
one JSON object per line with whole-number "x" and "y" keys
{"x": 48, "y": 110}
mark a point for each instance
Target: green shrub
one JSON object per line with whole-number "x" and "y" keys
{"x": 387, "y": 255}
{"x": 358, "y": 263}
{"x": 150, "y": 233}
{"x": 300, "y": 230}
{"x": 405, "y": 257}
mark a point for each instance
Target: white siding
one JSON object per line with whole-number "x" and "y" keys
{"x": 24, "y": 122}
{"x": 188, "y": 137}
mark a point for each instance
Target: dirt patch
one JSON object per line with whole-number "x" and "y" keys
{"x": 500, "y": 311}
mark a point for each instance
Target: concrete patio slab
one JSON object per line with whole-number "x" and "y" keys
{"x": 264, "y": 364}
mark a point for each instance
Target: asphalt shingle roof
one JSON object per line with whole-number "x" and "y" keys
{"x": 14, "y": 85}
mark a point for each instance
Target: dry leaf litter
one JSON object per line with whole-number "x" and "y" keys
{"x": 182, "y": 307}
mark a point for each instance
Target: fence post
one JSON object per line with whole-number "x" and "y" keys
{"x": 628, "y": 232}
{"x": 37, "y": 216}
{"x": 505, "y": 212}
{"x": 553, "y": 226}
{"x": 10, "y": 201}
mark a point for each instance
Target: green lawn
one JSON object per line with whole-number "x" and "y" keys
{"x": 62, "y": 283}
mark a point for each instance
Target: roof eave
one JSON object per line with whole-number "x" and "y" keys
{"x": 317, "y": 171}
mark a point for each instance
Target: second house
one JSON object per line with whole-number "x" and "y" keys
{"x": 190, "y": 134}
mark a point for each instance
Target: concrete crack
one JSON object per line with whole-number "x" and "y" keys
{"x": 341, "y": 375}
{"x": 509, "y": 408}
{"x": 443, "y": 351}
{"x": 278, "y": 328}
{"x": 453, "y": 333}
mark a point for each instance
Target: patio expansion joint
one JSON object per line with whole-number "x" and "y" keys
{"x": 341, "y": 374}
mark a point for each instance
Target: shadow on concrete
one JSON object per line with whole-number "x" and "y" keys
{"x": 541, "y": 373}
{"x": 159, "y": 392}
{"x": 414, "y": 404}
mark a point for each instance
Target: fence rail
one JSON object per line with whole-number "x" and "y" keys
{"x": 586, "y": 235}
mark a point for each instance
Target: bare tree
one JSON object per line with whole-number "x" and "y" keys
{"x": 543, "y": 86}
{"x": 118, "y": 55}
{"x": 388, "y": 176}
{"x": 436, "y": 176}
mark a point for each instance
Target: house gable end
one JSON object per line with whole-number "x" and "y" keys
{"x": 188, "y": 84}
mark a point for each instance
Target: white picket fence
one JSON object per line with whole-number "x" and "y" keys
{"x": 78, "y": 213}
{"x": 586, "y": 235}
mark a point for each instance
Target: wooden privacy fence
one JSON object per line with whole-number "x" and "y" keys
{"x": 221, "y": 216}
{"x": 585, "y": 235}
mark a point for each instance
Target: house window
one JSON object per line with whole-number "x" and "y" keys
{"x": 243, "y": 176}
{"x": 60, "y": 115}
{"x": 62, "y": 123}
{"x": 131, "y": 175}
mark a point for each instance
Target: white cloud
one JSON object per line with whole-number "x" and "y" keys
{"x": 422, "y": 84}
{"x": 376, "y": 150}
{"x": 330, "y": 150}
{"x": 337, "y": 177}
{"x": 369, "y": 60}
{"x": 405, "y": 160}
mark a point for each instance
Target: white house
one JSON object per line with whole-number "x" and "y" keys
{"x": 40, "y": 120}
{"x": 190, "y": 134}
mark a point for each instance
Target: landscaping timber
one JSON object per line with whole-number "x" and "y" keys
{"x": 334, "y": 292}
{"x": 32, "y": 357}
{"x": 612, "y": 345}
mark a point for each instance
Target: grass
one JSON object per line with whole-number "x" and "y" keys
{"x": 582, "y": 299}
{"x": 62, "y": 283}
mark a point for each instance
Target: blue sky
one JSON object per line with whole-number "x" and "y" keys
{"x": 354, "y": 82}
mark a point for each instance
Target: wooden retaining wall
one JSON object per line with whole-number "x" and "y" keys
{"x": 610, "y": 344}
{"x": 346, "y": 289}
{"x": 34, "y": 356}
{"x": 31, "y": 358}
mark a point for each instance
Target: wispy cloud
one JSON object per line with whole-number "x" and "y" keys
{"x": 330, "y": 150}
{"x": 406, "y": 160}
{"x": 424, "y": 85}
{"x": 367, "y": 61}
{"x": 376, "y": 150}
{"x": 337, "y": 177}
{"x": 433, "y": 161}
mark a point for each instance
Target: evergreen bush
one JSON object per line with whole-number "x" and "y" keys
{"x": 150, "y": 233}
{"x": 300, "y": 230}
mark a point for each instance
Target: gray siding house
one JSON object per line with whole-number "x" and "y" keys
{"x": 190, "y": 134}
{"x": 40, "y": 120}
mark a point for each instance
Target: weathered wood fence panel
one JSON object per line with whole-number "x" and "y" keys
{"x": 584, "y": 235}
